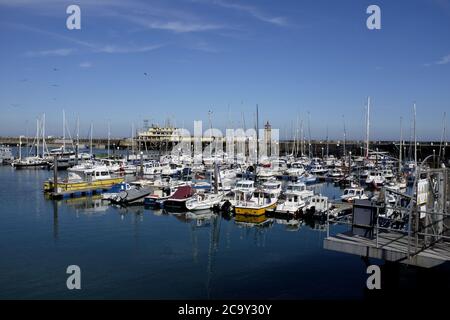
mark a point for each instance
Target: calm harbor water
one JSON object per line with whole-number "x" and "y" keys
{"x": 140, "y": 253}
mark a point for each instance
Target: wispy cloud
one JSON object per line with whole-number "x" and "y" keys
{"x": 176, "y": 26}
{"x": 253, "y": 11}
{"x": 90, "y": 47}
{"x": 46, "y": 53}
{"x": 441, "y": 61}
{"x": 86, "y": 64}
{"x": 128, "y": 49}
{"x": 444, "y": 60}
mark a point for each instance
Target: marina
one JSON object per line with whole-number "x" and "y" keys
{"x": 206, "y": 151}
{"x": 274, "y": 200}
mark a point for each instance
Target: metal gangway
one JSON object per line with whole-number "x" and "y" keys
{"x": 411, "y": 228}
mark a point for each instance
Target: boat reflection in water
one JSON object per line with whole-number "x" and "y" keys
{"x": 91, "y": 205}
{"x": 261, "y": 221}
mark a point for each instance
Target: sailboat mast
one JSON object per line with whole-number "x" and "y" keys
{"x": 303, "y": 140}
{"x": 257, "y": 135}
{"x": 37, "y": 137}
{"x": 78, "y": 139}
{"x": 345, "y": 137}
{"x": 64, "y": 131}
{"x": 441, "y": 148}
{"x": 309, "y": 134}
{"x": 109, "y": 136}
{"x": 401, "y": 146}
{"x": 415, "y": 137}
{"x": 43, "y": 135}
{"x": 368, "y": 127}
{"x": 132, "y": 137}
{"x": 90, "y": 140}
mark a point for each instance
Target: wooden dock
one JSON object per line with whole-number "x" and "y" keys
{"x": 77, "y": 193}
{"x": 390, "y": 247}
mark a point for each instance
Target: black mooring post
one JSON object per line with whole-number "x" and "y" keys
{"x": 55, "y": 173}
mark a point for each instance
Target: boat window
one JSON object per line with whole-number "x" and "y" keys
{"x": 104, "y": 173}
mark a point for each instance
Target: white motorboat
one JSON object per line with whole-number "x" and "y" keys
{"x": 246, "y": 186}
{"x": 336, "y": 173}
{"x": 299, "y": 188}
{"x": 297, "y": 169}
{"x": 318, "y": 169}
{"x": 351, "y": 194}
{"x": 203, "y": 201}
{"x": 152, "y": 168}
{"x": 5, "y": 154}
{"x": 291, "y": 205}
{"x": 375, "y": 178}
{"x": 318, "y": 205}
{"x": 272, "y": 186}
{"x": 387, "y": 173}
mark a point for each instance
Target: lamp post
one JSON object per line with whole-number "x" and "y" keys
{"x": 350, "y": 161}
{"x": 142, "y": 164}
{"x": 434, "y": 157}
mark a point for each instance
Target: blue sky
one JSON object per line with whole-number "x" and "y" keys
{"x": 290, "y": 57}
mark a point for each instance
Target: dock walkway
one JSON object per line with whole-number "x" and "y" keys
{"x": 391, "y": 247}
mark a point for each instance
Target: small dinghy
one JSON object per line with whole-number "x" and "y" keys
{"x": 133, "y": 196}
{"x": 115, "y": 190}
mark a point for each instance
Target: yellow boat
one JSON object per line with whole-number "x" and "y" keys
{"x": 256, "y": 204}
{"x": 83, "y": 180}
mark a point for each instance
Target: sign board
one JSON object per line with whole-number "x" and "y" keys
{"x": 422, "y": 192}
{"x": 423, "y": 211}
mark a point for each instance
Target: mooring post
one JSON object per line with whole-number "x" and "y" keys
{"x": 55, "y": 173}
{"x": 142, "y": 164}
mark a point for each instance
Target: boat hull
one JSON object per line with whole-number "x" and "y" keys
{"x": 253, "y": 211}
{"x": 67, "y": 187}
